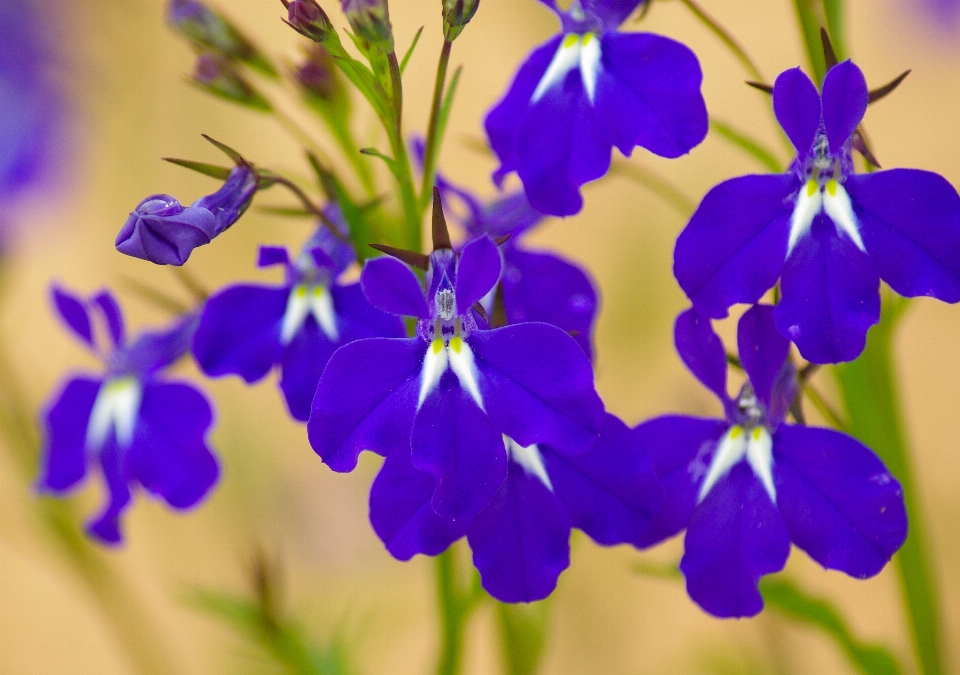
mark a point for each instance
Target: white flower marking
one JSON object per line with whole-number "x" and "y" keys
{"x": 529, "y": 458}
{"x": 115, "y": 409}
{"x": 755, "y": 445}
{"x": 304, "y": 301}
{"x": 575, "y": 51}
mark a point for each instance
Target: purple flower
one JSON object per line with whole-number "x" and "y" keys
{"x": 746, "y": 486}
{"x": 164, "y": 232}
{"x": 134, "y": 425}
{"x": 537, "y": 286}
{"x": 248, "y": 329}
{"x": 450, "y": 394}
{"x": 589, "y": 89}
{"x": 827, "y": 234}
{"x": 520, "y": 540}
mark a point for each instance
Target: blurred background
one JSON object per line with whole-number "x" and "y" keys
{"x": 124, "y": 75}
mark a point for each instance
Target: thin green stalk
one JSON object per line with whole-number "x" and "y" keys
{"x": 748, "y": 144}
{"x": 403, "y": 173}
{"x": 430, "y": 150}
{"x": 833, "y": 13}
{"x": 660, "y": 186}
{"x": 810, "y": 31}
{"x": 725, "y": 37}
{"x": 870, "y": 393}
{"x": 456, "y": 605}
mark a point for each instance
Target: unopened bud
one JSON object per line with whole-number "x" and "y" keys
{"x": 216, "y": 74}
{"x": 210, "y": 31}
{"x": 370, "y": 20}
{"x": 456, "y": 15}
{"x": 318, "y": 74}
{"x": 308, "y": 18}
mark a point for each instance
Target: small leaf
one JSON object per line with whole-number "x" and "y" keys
{"x": 751, "y": 146}
{"x": 879, "y": 93}
{"x": 413, "y": 45}
{"x": 226, "y": 149}
{"x": 212, "y": 170}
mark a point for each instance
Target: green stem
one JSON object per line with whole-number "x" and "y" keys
{"x": 657, "y": 184}
{"x": 810, "y": 30}
{"x": 726, "y": 38}
{"x": 834, "y": 16}
{"x": 870, "y": 392}
{"x": 456, "y": 604}
{"x": 404, "y": 175}
{"x": 430, "y": 150}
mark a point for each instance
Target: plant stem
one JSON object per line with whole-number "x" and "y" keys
{"x": 870, "y": 393}
{"x": 456, "y": 604}
{"x": 430, "y": 150}
{"x": 810, "y": 31}
{"x": 404, "y": 175}
{"x": 726, "y": 38}
{"x": 660, "y": 186}
{"x": 833, "y": 14}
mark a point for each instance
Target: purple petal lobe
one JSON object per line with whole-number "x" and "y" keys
{"x": 239, "y": 331}
{"x": 73, "y": 312}
{"x": 830, "y": 296}
{"x": 401, "y": 514}
{"x": 611, "y": 12}
{"x": 164, "y": 232}
{"x": 544, "y": 287}
{"x": 702, "y": 351}
{"x": 610, "y": 492}
{"x": 537, "y": 386}
{"x": 366, "y": 400}
{"x": 735, "y": 536}
{"x": 302, "y": 365}
{"x": 390, "y": 286}
{"x": 108, "y": 306}
{"x": 763, "y": 350}
{"x": 64, "y": 461}
{"x": 910, "y": 223}
{"x": 268, "y": 256}
{"x": 840, "y": 503}
{"x": 735, "y": 244}
{"x": 796, "y": 103}
{"x": 106, "y": 525}
{"x": 521, "y": 541}
{"x": 844, "y": 102}
{"x": 454, "y": 440}
{"x": 155, "y": 350}
{"x": 648, "y": 94}
{"x": 169, "y": 455}
{"x": 680, "y": 448}
{"x": 477, "y": 271}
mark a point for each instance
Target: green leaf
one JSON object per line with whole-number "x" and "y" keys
{"x": 523, "y": 636}
{"x": 212, "y": 170}
{"x": 226, "y": 149}
{"x": 413, "y": 45}
{"x": 786, "y": 598}
{"x": 748, "y": 144}
{"x": 657, "y": 184}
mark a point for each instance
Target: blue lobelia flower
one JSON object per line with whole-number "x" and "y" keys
{"x": 521, "y": 539}
{"x": 164, "y": 232}
{"x": 589, "y": 89}
{"x": 827, "y": 233}
{"x": 536, "y": 286}
{"x": 450, "y": 393}
{"x": 137, "y": 427}
{"x": 248, "y": 329}
{"x": 746, "y": 486}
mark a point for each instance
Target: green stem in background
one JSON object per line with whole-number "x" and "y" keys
{"x": 726, "y": 37}
{"x": 810, "y": 32}
{"x": 431, "y": 150}
{"x": 408, "y": 196}
{"x": 523, "y": 635}
{"x": 870, "y": 393}
{"x": 657, "y": 184}
{"x": 456, "y": 604}
{"x": 748, "y": 144}
{"x": 833, "y": 13}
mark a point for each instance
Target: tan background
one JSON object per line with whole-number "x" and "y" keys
{"x": 127, "y": 71}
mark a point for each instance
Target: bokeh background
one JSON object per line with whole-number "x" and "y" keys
{"x": 125, "y": 73}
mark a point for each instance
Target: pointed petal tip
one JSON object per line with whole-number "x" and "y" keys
{"x": 441, "y": 234}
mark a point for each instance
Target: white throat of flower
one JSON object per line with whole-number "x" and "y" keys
{"x": 455, "y": 354}
{"x": 575, "y": 51}
{"x": 529, "y": 459}
{"x": 832, "y": 199}
{"x": 755, "y": 445}
{"x": 115, "y": 410}
{"x": 306, "y": 300}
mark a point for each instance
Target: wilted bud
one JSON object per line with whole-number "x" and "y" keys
{"x": 210, "y": 31}
{"x": 370, "y": 20}
{"x": 456, "y": 15}
{"x": 308, "y": 18}
{"x": 318, "y": 74}
{"x": 217, "y": 74}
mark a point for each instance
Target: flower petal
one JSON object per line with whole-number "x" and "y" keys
{"x": 537, "y": 386}
{"x": 390, "y": 286}
{"x": 680, "y": 448}
{"x": 648, "y": 94}
{"x": 169, "y": 455}
{"x": 702, "y": 352}
{"x": 73, "y": 312}
{"x": 302, "y": 365}
{"x": 763, "y": 350}
{"x": 239, "y": 331}
{"x": 796, "y": 103}
{"x": 844, "y": 102}
{"x": 401, "y": 514}
{"x": 455, "y": 441}
{"x": 910, "y": 223}
{"x": 736, "y": 535}
{"x": 734, "y": 246}
{"x": 521, "y": 541}
{"x": 366, "y": 399}
{"x": 830, "y": 296}
{"x": 610, "y": 492}
{"x": 840, "y": 503}
{"x": 611, "y": 12}
{"x": 106, "y": 525}
{"x": 64, "y": 461}
{"x": 108, "y": 306}
{"x": 477, "y": 271}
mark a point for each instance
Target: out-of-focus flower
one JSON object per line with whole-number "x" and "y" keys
{"x": 131, "y": 423}
{"x": 309, "y": 19}
{"x": 164, "y": 232}
{"x": 456, "y": 15}
{"x": 370, "y": 19}
{"x": 745, "y": 486}
{"x": 209, "y": 30}
{"x": 829, "y": 235}
{"x": 248, "y": 329}
{"x": 587, "y": 90}
{"x": 218, "y": 75}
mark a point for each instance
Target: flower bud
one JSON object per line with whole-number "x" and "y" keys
{"x": 229, "y": 202}
{"x": 370, "y": 20}
{"x": 456, "y": 15}
{"x": 308, "y": 18}
{"x": 318, "y": 75}
{"x": 210, "y": 31}
{"x": 216, "y": 74}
